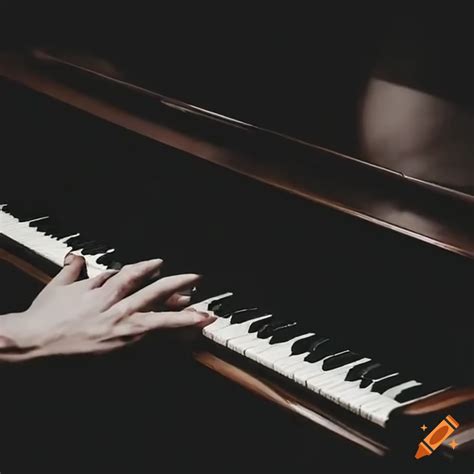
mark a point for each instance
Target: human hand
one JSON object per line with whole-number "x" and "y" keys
{"x": 99, "y": 314}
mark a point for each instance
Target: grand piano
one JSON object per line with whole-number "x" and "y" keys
{"x": 341, "y": 278}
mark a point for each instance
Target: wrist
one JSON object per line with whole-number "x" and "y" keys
{"x": 13, "y": 344}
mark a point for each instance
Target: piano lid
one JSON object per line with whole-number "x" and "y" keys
{"x": 378, "y": 84}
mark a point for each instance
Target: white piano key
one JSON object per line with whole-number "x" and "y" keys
{"x": 344, "y": 369}
{"x": 352, "y": 390}
{"x": 328, "y": 383}
{"x": 268, "y": 355}
{"x": 370, "y": 406}
{"x": 358, "y": 402}
{"x": 394, "y": 391}
{"x": 242, "y": 344}
{"x": 327, "y": 378}
{"x": 333, "y": 387}
{"x": 234, "y": 330}
{"x": 339, "y": 390}
{"x": 306, "y": 371}
{"x": 355, "y": 396}
{"x": 381, "y": 414}
{"x": 350, "y": 393}
{"x": 284, "y": 366}
{"x": 219, "y": 323}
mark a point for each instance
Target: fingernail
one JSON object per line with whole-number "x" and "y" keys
{"x": 69, "y": 258}
{"x": 206, "y": 319}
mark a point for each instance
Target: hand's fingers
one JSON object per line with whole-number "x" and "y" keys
{"x": 140, "y": 323}
{"x": 175, "y": 302}
{"x": 98, "y": 280}
{"x": 160, "y": 290}
{"x": 73, "y": 266}
{"x": 129, "y": 279}
{"x": 178, "y": 301}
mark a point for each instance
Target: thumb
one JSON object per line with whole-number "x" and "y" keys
{"x": 73, "y": 268}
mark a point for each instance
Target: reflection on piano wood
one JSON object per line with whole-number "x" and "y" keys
{"x": 362, "y": 257}
{"x": 22, "y": 264}
{"x": 277, "y": 358}
{"x": 314, "y": 173}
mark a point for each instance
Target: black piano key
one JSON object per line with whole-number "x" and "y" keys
{"x": 74, "y": 240}
{"x": 48, "y": 229}
{"x": 217, "y": 304}
{"x": 28, "y": 214}
{"x": 303, "y": 345}
{"x": 110, "y": 257}
{"x": 230, "y": 306}
{"x": 51, "y": 227}
{"x": 55, "y": 227}
{"x": 383, "y": 385}
{"x": 359, "y": 370}
{"x": 97, "y": 250}
{"x": 286, "y": 333}
{"x": 41, "y": 224}
{"x": 23, "y": 211}
{"x": 37, "y": 224}
{"x": 419, "y": 391}
{"x": 317, "y": 342}
{"x": 270, "y": 327}
{"x": 114, "y": 266}
{"x": 61, "y": 234}
{"x": 79, "y": 240}
{"x": 94, "y": 249}
{"x": 340, "y": 359}
{"x": 107, "y": 258}
{"x": 324, "y": 349}
{"x": 365, "y": 382}
{"x": 81, "y": 245}
{"x": 242, "y": 315}
{"x": 257, "y": 325}
{"x": 378, "y": 372}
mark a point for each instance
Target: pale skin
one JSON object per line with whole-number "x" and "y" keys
{"x": 100, "y": 314}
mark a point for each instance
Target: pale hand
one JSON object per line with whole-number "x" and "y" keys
{"x": 99, "y": 314}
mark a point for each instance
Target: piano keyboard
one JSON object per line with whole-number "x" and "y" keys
{"x": 319, "y": 363}
{"x": 46, "y": 237}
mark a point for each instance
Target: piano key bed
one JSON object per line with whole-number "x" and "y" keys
{"x": 315, "y": 362}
